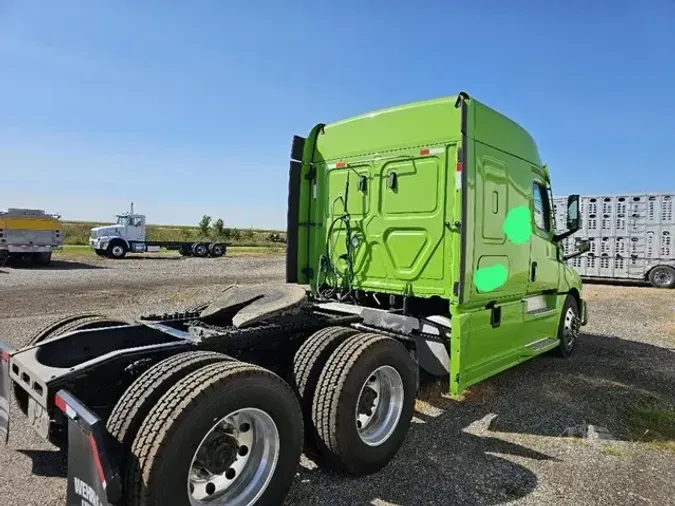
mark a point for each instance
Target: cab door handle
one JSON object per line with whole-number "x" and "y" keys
{"x": 392, "y": 181}
{"x": 534, "y": 271}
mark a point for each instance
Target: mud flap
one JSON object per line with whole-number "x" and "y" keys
{"x": 93, "y": 479}
{"x": 5, "y": 390}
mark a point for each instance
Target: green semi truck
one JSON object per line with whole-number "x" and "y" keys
{"x": 420, "y": 238}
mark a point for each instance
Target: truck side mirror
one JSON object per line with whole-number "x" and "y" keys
{"x": 581, "y": 246}
{"x": 573, "y": 216}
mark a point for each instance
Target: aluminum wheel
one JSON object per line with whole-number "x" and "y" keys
{"x": 570, "y": 328}
{"x": 380, "y": 404}
{"x": 117, "y": 251}
{"x": 235, "y": 461}
{"x": 663, "y": 277}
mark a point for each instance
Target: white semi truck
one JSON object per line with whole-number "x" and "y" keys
{"x": 128, "y": 235}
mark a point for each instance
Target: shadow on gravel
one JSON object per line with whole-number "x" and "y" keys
{"x": 448, "y": 458}
{"x": 50, "y": 464}
{"x": 607, "y": 383}
{"x": 439, "y": 463}
{"x": 146, "y": 257}
{"x": 55, "y": 265}
{"x": 457, "y": 452}
{"x": 617, "y": 282}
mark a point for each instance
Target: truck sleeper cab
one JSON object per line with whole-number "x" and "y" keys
{"x": 419, "y": 237}
{"x": 440, "y": 208}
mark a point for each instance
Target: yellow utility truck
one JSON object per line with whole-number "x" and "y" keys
{"x": 29, "y": 234}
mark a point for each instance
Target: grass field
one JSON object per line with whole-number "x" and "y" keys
{"x": 80, "y": 250}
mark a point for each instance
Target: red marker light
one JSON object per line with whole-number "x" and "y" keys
{"x": 459, "y": 166}
{"x": 4, "y": 355}
{"x": 340, "y": 165}
{"x": 60, "y": 403}
{"x": 63, "y": 406}
{"x": 424, "y": 151}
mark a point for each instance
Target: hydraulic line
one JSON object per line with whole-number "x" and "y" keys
{"x": 326, "y": 265}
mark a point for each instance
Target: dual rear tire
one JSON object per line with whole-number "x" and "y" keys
{"x": 203, "y": 249}
{"x": 201, "y": 428}
{"x": 358, "y": 394}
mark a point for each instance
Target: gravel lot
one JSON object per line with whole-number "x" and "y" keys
{"x": 504, "y": 442}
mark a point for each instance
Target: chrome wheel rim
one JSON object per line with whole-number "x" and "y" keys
{"x": 570, "y": 328}
{"x": 663, "y": 277}
{"x": 117, "y": 251}
{"x": 235, "y": 461}
{"x": 379, "y": 405}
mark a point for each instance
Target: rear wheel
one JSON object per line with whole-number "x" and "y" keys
{"x": 137, "y": 401}
{"x": 364, "y": 402}
{"x": 308, "y": 363}
{"x": 228, "y": 433}
{"x": 200, "y": 250}
{"x": 55, "y": 329}
{"x": 662, "y": 276}
{"x": 217, "y": 250}
{"x": 70, "y": 324}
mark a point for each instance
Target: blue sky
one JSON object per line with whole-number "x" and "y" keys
{"x": 188, "y": 108}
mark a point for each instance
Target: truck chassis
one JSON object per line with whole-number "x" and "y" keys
{"x": 118, "y": 248}
{"x": 92, "y": 385}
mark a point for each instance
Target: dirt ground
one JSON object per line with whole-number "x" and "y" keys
{"x": 508, "y": 440}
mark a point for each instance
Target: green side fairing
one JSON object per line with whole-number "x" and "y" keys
{"x": 418, "y": 225}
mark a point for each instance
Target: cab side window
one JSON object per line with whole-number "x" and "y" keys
{"x": 542, "y": 207}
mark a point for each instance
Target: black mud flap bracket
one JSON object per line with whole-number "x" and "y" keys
{"x": 93, "y": 479}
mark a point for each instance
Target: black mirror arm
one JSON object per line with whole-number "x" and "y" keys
{"x": 572, "y": 255}
{"x": 564, "y": 235}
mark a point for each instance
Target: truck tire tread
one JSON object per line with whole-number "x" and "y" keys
{"x": 308, "y": 363}
{"x": 57, "y": 328}
{"x": 139, "y": 398}
{"x": 53, "y": 326}
{"x": 313, "y": 354}
{"x": 148, "y": 444}
{"x": 90, "y": 322}
{"x": 327, "y": 399}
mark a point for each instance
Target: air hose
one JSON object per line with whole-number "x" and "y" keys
{"x": 327, "y": 268}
